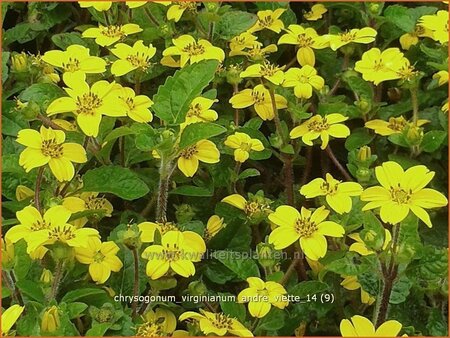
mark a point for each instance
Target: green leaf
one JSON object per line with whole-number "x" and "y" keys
{"x": 118, "y": 132}
{"x": 238, "y": 262}
{"x": 360, "y": 87}
{"x": 234, "y": 23}
{"x": 116, "y": 180}
{"x": 174, "y": 97}
{"x": 75, "y": 309}
{"x": 199, "y": 131}
{"x": 5, "y": 69}
{"x": 31, "y": 289}
{"x": 437, "y": 324}
{"x": 347, "y": 266}
{"x": 64, "y": 40}
{"x": 190, "y": 190}
{"x": 432, "y": 265}
{"x": 274, "y": 320}
{"x": 358, "y": 138}
{"x": 233, "y": 309}
{"x": 42, "y": 93}
{"x": 98, "y": 330}
{"x": 311, "y": 287}
{"x": 74, "y": 295}
{"x": 400, "y": 290}
{"x": 373, "y": 233}
{"x": 218, "y": 273}
{"x": 432, "y": 140}
{"x": 249, "y": 172}
{"x": 400, "y": 17}
{"x": 146, "y": 137}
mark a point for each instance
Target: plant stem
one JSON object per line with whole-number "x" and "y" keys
{"x": 237, "y": 168}
{"x": 415, "y": 105}
{"x": 6, "y": 279}
{"x": 37, "y": 189}
{"x": 211, "y": 31}
{"x": 254, "y": 324}
{"x": 136, "y": 281}
{"x": 165, "y": 172}
{"x": 276, "y": 118}
{"x": 289, "y": 178}
{"x": 296, "y": 261}
{"x": 56, "y": 280}
{"x": 338, "y": 165}
{"x": 48, "y": 122}
{"x": 236, "y": 111}
{"x": 308, "y": 166}
{"x": 151, "y": 17}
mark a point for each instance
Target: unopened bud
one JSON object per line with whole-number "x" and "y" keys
{"x": 364, "y": 153}
{"x": 414, "y": 135}
{"x": 267, "y": 255}
{"x": 50, "y": 320}
{"x": 46, "y": 277}
{"x": 19, "y": 63}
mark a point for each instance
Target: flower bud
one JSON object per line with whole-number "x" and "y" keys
{"x": 50, "y": 320}
{"x": 184, "y": 213}
{"x": 214, "y": 225}
{"x": 19, "y": 63}
{"x": 364, "y": 154}
{"x": 130, "y": 237}
{"x": 363, "y": 105}
{"x": 46, "y": 277}
{"x": 414, "y": 135}
{"x": 363, "y": 175}
{"x": 212, "y": 6}
{"x": 375, "y": 8}
{"x": 267, "y": 255}
{"x": 23, "y": 193}
{"x": 197, "y": 288}
{"x": 7, "y": 255}
{"x": 233, "y": 74}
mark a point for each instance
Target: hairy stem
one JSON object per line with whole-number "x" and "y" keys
{"x": 56, "y": 280}
{"x": 415, "y": 105}
{"x": 236, "y": 111}
{"x": 165, "y": 172}
{"x": 336, "y": 162}
{"x": 289, "y": 178}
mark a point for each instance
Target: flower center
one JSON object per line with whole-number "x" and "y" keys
{"x": 304, "y": 227}
{"x": 88, "y": 103}
{"x": 172, "y": 254}
{"x": 329, "y": 188}
{"x": 51, "y": 148}
{"x": 194, "y": 110}
{"x": 396, "y": 124}
{"x": 191, "y": 6}
{"x": 129, "y": 101}
{"x": 72, "y": 65}
{"x": 95, "y": 203}
{"x": 400, "y": 195}
{"x": 40, "y": 225}
{"x": 266, "y": 21}
{"x": 251, "y": 208}
{"x": 189, "y": 152}
{"x": 99, "y": 257}
{"x": 139, "y": 60}
{"x": 222, "y": 321}
{"x": 150, "y": 329}
{"x": 113, "y": 31}
{"x": 62, "y": 233}
{"x": 304, "y": 40}
{"x": 268, "y": 69}
{"x": 194, "y": 49}
{"x": 166, "y": 226}
{"x": 347, "y": 36}
{"x": 258, "y": 97}
{"x": 318, "y": 125}
{"x": 246, "y": 146}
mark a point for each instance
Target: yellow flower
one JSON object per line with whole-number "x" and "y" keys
{"x": 393, "y": 126}
{"x": 199, "y": 111}
{"x": 48, "y": 147}
{"x": 101, "y": 258}
{"x": 136, "y": 105}
{"x": 411, "y": 39}
{"x": 402, "y": 191}
{"x": 442, "y": 77}
{"x": 131, "y": 58}
{"x": 158, "y": 323}
{"x": 256, "y": 52}
{"x": 268, "y": 19}
{"x": 192, "y": 51}
{"x": 251, "y": 208}
{"x": 242, "y": 41}
{"x": 266, "y": 70}
{"x": 309, "y": 228}
{"x": 437, "y": 24}
{"x": 178, "y": 251}
{"x": 19, "y": 63}
{"x": 89, "y": 103}
{"x": 217, "y": 323}
{"x": 7, "y": 254}
{"x": 261, "y": 295}
{"x": 243, "y": 144}
{"x": 147, "y": 230}
{"x": 306, "y": 39}
{"x": 364, "y": 35}
{"x": 360, "y": 247}
{"x": 87, "y": 201}
{"x": 360, "y": 326}
{"x": 213, "y": 226}
{"x": 338, "y": 194}
{"x": 444, "y": 107}
{"x": 9, "y": 317}
{"x": 259, "y": 97}
{"x": 135, "y": 4}
{"x": 107, "y": 35}
{"x": 303, "y": 80}
{"x": 177, "y": 9}
{"x": 316, "y": 12}
{"x": 351, "y": 283}
{"x": 23, "y": 193}
{"x": 326, "y": 126}
{"x": 204, "y": 151}
{"x": 75, "y": 58}
{"x": 100, "y": 6}
{"x": 376, "y": 66}
{"x": 50, "y": 320}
